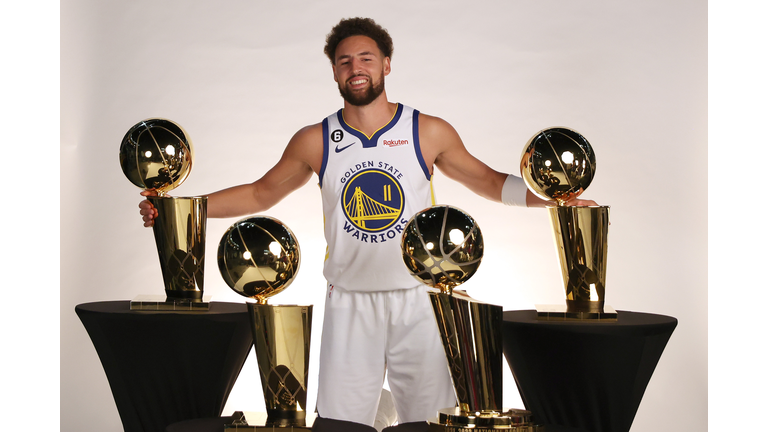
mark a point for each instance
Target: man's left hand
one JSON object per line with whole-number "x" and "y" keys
{"x": 581, "y": 202}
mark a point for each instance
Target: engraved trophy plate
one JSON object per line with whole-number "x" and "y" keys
{"x": 161, "y": 303}
{"x": 442, "y": 247}
{"x": 156, "y": 154}
{"x": 455, "y": 420}
{"x": 559, "y": 164}
{"x": 248, "y": 421}
{"x": 258, "y": 258}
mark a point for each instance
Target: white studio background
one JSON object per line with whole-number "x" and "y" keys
{"x": 242, "y": 76}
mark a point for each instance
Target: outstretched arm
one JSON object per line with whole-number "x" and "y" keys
{"x": 445, "y": 150}
{"x": 302, "y": 156}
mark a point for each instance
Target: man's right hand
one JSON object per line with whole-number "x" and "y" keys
{"x": 147, "y": 210}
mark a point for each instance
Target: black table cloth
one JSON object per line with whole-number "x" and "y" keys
{"x": 584, "y": 376}
{"x": 211, "y": 424}
{"x": 217, "y": 425}
{"x": 165, "y": 366}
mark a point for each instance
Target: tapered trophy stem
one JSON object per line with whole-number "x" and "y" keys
{"x": 581, "y": 235}
{"x": 180, "y": 237}
{"x": 281, "y": 337}
{"x": 471, "y": 334}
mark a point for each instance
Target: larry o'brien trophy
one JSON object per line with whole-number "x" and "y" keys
{"x": 442, "y": 247}
{"x": 156, "y": 155}
{"x": 558, "y": 164}
{"x": 259, "y": 257}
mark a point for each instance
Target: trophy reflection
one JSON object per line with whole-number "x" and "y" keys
{"x": 259, "y": 257}
{"x": 156, "y": 155}
{"x": 559, "y": 164}
{"x": 442, "y": 247}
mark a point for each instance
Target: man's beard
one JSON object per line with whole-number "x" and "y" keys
{"x": 361, "y": 99}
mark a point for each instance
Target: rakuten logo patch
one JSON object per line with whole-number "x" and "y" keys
{"x": 393, "y": 143}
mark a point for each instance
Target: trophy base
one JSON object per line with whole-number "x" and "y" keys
{"x": 248, "y": 421}
{"x": 455, "y": 420}
{"x": 561, "y": 313}
{"x": 163, "y": 303}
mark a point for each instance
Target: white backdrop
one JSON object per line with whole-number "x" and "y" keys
{"x": 242, "y": 76}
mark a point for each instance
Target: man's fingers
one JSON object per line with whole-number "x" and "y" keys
{"x": 147, "y": 211}
{"x": 581, "y": 202}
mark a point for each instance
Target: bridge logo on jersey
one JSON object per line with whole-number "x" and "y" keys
{"x": 373, "y": 200}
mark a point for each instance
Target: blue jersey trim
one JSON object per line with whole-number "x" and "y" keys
{"x": 325, "y": 151}
{"x": 373, "y": 140}
{"x": 417, "y": 145}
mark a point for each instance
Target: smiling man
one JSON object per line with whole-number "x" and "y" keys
{"x": 374, "y": 160}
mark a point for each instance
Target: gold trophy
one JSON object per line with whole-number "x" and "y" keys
{"x": 259, "y": 257}
{"x": 558, "y": 164}
{"x": 442, "y": 247}
{"x": 156, "y": 155}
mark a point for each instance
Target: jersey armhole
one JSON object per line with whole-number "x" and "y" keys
{"x": 417, "y": 146}
{"x": 325, "y": 153}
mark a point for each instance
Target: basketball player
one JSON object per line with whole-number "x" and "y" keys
{"x": 374, "y": 160}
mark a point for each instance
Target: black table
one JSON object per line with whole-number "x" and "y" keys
{"x": 164, "y": 366}
{"x": 584, "y": 376}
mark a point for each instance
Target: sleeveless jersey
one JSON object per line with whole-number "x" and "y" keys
{"x": 371, "y": 186}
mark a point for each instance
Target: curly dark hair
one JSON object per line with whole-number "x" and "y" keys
{"x": 358, "y": 27}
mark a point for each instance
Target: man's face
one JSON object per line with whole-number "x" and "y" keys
{"x": 359, "y": 70}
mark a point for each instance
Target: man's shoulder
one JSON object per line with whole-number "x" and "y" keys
{"x": 312, "y": 131}
{"x": 430, "y": 124}
{"x": 436, "y": 136}
{"x": 307, "y": 138}
{"x": 306, "y": 145}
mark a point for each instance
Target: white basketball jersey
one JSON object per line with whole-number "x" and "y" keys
{"x": 371, "y": 186}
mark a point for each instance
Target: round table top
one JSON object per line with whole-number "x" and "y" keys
{"x": 124, "y": 306}
{"x": 626, "y": 321}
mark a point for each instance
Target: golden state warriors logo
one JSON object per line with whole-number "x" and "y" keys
{"x": 372, "y": 200}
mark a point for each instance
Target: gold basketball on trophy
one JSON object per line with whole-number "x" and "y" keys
{"x": 557, "y": 164}
{"x": 156, "y": 154}
{"x": 442, "y": 247}
{"x": 258, "y": 257}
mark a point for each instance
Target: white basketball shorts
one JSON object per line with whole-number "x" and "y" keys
{"x": 366, "y": 334}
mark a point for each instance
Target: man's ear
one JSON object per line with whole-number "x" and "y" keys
{"x": 387, "y": 66}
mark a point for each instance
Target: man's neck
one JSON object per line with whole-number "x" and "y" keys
{"x": 372, "y": 117}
